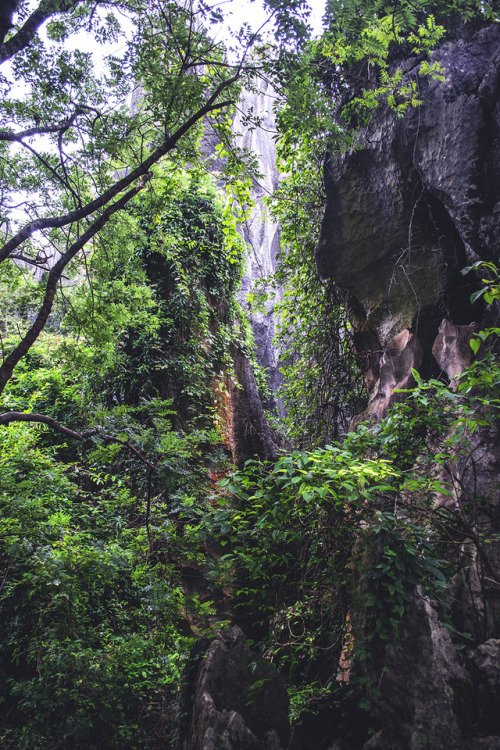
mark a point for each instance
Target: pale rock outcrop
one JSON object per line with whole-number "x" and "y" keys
{"x": 402, "y": 355}
{"x": 452, "y": 350}
{"x": 260, "y": 231}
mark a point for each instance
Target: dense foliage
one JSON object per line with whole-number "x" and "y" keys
{"x": 119, "y": 281}
{"x": 75, "y": 151}
{"x": 355, "y": 526}
{"x": 92, "y": 610}
{"x": 326, "y": 547}
{"x": 95, "y": 614}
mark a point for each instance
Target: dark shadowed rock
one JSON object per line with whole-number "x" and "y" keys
{"x": 404, "y": 215}
{"x": 238, "y": 701}
{"x": 485, "y": 670}
{"x": 421, "y": 200}
{"x": 483, "y": 743}
{"x": 415, "y": 683}
{"x": 467, "y": 602}
{"x": 250, "y": 434}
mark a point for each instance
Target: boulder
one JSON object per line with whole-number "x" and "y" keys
{"x": 237, "y": 700}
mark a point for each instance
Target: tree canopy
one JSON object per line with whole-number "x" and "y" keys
{"x": 80, "y": 139}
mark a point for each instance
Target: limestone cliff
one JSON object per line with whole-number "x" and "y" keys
{"x": 260, "y": 232}
{"x": 247, "y": 433}
{"x": 235, "y": 699}
{"x": 416, "y": 204}
{"x": 404, "y": 215}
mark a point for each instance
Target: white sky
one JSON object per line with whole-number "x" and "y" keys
{"x": 236, "y": 12}
{"x": 244, "y": 11}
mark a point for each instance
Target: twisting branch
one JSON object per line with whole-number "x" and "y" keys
{"x": 27, "y": 32}
{"x": 52, "y": 222}
{"x": 60, "y": 127}
{"x": 34, "y": 331}
{"x": 15, "y": 416}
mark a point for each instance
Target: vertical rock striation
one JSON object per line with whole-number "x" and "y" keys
{"x": 260, "y": 232}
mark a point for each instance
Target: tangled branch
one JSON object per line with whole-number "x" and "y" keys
{"x": 15, "y": 416}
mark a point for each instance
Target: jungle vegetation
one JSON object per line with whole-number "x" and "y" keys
{"x": 119, "y": 273}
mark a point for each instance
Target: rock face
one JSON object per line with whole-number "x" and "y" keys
{"x": 419, "y": 202}
{"x": 404, "y": 215}
{"x": 260, "y": 232}
{"x": 451, "y": 349}
{"x": 238, "y": 701}
{"x": 485, "y": 669}
{"x": 403, "y": 353}
{"x": 416, "y": 688}
{"x": 249, "y": 432}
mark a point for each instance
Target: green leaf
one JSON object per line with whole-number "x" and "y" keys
{"x": 475, "y": 343}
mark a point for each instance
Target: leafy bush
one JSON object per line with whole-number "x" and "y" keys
{"x": 94, "y": 533}
{"x": 327, "y": 539}
{"x": 93, "y": 627}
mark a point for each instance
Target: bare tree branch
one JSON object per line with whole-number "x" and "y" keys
{"x": 15, "y": 416}
{"x": 27, "y": 32}
{"x": 61, "y": 127}
{"x": 169, "y": 144}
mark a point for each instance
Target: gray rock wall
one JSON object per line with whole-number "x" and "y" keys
{"x": 404, "y": 215}
{"x": 420, "y": 201}
{"x": 260, "y": 232}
